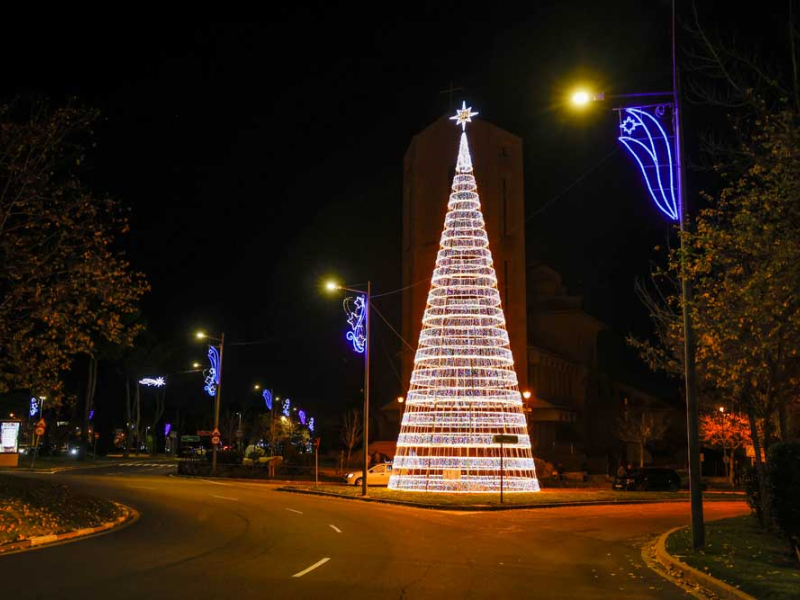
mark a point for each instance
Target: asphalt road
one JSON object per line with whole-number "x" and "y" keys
{"x": 201, "y": 539}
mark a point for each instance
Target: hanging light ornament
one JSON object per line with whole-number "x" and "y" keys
{"x": 464, "y": 389}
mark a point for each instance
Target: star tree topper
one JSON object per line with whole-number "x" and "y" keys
{"x": 463, "y": 116}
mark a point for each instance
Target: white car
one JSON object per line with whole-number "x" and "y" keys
{"x": 378, "y": 475}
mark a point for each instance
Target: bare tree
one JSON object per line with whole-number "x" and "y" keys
{"x": 351, "y": 431}
{"x": 642, "y": 429}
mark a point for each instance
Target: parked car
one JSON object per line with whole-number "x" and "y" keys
{"x": 378, "y": 475}
{"x": 649, "y": 479}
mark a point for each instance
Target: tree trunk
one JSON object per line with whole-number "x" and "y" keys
{"x": 349, "y": 452}
{"x": 783, "y": 421}
{"x": 91, "y": 386}
{"x": 127, "y": 451}
{"x": 760, "y": 472}
{"x": 641, "y": 455}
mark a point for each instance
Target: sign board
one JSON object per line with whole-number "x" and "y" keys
{"x": 215, "y": 432}
{"x": 39, "y": 431}
{"x": 190, "y": 438}
{"x": 203, "y": 432}
{"x": 9, "y": 436}
{"x": 215, "y": 439}
{"x": 41, "y": 423}
{"x": 506, "y": 439}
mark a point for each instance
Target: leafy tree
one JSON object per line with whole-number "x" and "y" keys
{"x": 640, "y": 429}
{"x": 64, "y": 286}
{"x": 728, "y": 431}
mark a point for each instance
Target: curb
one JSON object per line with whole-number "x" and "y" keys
{"x": 129, "y": 517}
{"x": 716, "y": 586}
{"x": 482, "y": 507}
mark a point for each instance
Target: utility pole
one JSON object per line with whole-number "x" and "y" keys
{"x": 366, "y": 391}
{"x": 216, "y": 404}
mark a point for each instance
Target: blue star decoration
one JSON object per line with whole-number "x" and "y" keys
{"x": 463, "y": 116}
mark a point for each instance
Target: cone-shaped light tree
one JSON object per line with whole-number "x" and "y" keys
{"x": 464, "y": 389}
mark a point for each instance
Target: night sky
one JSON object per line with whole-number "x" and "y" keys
{"x": 259, "y": 157}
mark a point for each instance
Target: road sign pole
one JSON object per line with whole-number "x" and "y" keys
{"x": 35, "y": 451}
{"x": 316, "y": 473}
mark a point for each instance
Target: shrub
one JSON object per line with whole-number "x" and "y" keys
{"x": 753, "y": 491}
{"x": 783, "y": 479}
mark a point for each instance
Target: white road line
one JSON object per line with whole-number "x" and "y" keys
{"x": 224, "y": 497}
{"x": 141, "y": 487}
{"x": 335, "y": 528}
{"x": 215, "y": 482}
{"x": 312, "y": 567}
{"x": 294, "y": 511}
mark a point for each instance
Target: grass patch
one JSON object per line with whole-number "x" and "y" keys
{"x": 743, "y": 555}
{"x": 546, "y": 496}
{"x": 30, "y": 508}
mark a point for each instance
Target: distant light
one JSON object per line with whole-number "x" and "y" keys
{"x": 196, "y": 365}
{"x": 256, "y": 387}
{"x": 400, "y": 399}
{"x": 331, "y": 286}
{"x": 153, "y": 381}
{"x": 73, "y": 451}
{"x": 283, "y": 418}
{"x": 581, "y": 98}
{"x": 11, "y": 415}
{"x": 526, "y": 394}
{"x": 722, "y": 409}
{"x": 200, "y": 335}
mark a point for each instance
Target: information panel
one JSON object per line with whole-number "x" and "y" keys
{"x": 9, "y": 437}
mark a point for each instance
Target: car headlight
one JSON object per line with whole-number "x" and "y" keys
{"x": 350, "y": 475}
{"x": 73, "y": 451}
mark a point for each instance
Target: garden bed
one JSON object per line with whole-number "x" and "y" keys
{"x": 32, "y": 508}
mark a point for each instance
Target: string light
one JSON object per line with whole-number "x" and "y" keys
{"x": 311, "y": 424}
{"x": 653, "y": 152}
{"x": 286, "y": 404}
{"x": 301, "y": 414}
{"x": 355, "y": 308}
{"x": 212, "y": 378}
{"x": 34, "y": 407}
{"x": 464, "y": 389}
{"x": 153, "y": 381}
{"x": 267, "y": 398}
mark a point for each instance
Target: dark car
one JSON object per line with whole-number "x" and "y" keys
{"x": 648, "y": 479}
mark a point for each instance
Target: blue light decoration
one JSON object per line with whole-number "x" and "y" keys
{"x": 267, "y": 398}
{"x": 34, "y": 407}
{"x": 301, "y": 414}
{"x": 311, "y": 424}
{"x": 91, "y": 414}
{"x": 167, "y": 429}
{"x": 286, "y": 404}
{"x": 643, "y": 134}
{"x": 153, "y": 381}
{"x": 212, "y": 378}
{"x": 356, "y": 310}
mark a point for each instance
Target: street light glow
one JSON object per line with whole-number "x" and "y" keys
{"x": 526, "y": 394}
{"x": 400, "y": 399}
{"x": 722, "y": 409}
{"x": 256, "y": 387}
{"x": 195, "y": 365}
{"x": 581, "y": 98}
{"x": 331, "y": 286}
{"x": 200, "y": 335}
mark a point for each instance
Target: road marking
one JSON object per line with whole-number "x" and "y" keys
{"x": 312, "y": 567}
{"x": 335, "y": 528}
{"x": 224, "y": 497}
{"x": 215, "y": 482}
{"x": 141, "y": 487}
{"x": 294, "y": 511}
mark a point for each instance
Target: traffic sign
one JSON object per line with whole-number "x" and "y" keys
{"x": 316, "y": 442}
{"x": 96, "y": 435}
{"x": 506, "y": 439}
{"x": 215, "y": 432}
{"x": 203, "y": 432}
{"x": 215, "y": 439}
{"x": 190, "y": 438}
{"x": 41, "y": 423}
{"x": 39, "y": 431}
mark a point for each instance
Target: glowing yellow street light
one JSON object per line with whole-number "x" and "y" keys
{"x": 256, "y": 387}
{"x": 195, "y": 365}
{"x": 332, "y": 286}
{"x": 581, "y": 98}
{"x": 722, "y": 409}
{"x": 400, "y": 399}
{"x": 200, "y": 335}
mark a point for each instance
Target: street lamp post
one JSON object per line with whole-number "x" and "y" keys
{"x": 678, "y": 213}
{"x": 367, "y": 300}
{"x": 221, "y": 340}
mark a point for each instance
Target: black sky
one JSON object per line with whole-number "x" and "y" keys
{"x": 260, "y": 156}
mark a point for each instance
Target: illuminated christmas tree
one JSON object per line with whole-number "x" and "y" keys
{"x": 464, "y": 389}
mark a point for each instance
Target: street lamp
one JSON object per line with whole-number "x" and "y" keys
{"x": 526, "y": 394}
{"x": 659, "y": 160}
{"x": 214, "y": 380}
{"x": 358, "y": 319}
